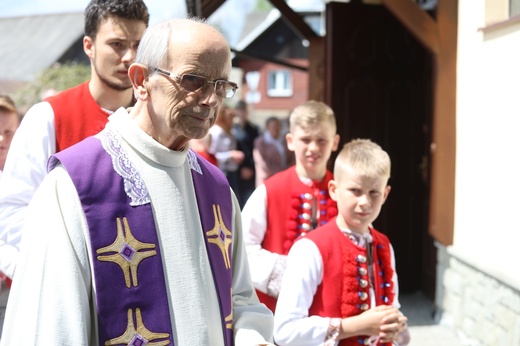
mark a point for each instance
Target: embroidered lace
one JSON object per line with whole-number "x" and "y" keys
{"x": 275, "y": 283}
{"x": 333, "y": 332}
{"x": 194, "y": 163}
{"x": 134, "y": 185}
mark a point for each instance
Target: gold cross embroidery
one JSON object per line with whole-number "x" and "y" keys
{"x": 220, "y": 235}
{"x": 125, "y": 252}
{"x": 229, "y": 318}
{"x": 133, "y": 335}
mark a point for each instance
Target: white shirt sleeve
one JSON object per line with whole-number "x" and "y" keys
{"x": 254, "y": 222}
{"x": 292, "y": 323}
{"x": 26, "y": 166}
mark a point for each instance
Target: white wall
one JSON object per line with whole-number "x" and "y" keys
{"x": 487, "y": 196}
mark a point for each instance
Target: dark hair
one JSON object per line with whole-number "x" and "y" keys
{"x": 271, "y": 119}
{"x": 98, "y": 11}
{"x": 241, "y": 104}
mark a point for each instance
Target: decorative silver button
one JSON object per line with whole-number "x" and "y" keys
{"x": 306, "y": 216}
{"x": 307, "y": 206}
{"x": 362, "y": 271}
{"x": 363, "y": 295}
{"x": 308, "y": 196}
{"x": 361, "y": 259}
{"x": 306, "y": 227}
{"x": 363, "y": 283}
{"x": 364, "y": 306}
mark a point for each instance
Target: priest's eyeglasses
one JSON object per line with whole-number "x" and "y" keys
{"x": 194, "y": 83}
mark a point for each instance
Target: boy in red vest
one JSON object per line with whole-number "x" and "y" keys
{"x": 293, "y": 202}
{"x": 340, "y": 286}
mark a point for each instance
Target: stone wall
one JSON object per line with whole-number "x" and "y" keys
{"x": 484, "y": 310}
{"x": 4, "y": 293}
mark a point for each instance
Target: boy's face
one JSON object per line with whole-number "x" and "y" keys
{"x": 312, "y": 146}
{"x": 359, "y": 199}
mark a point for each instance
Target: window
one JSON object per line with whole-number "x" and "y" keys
{"x": 427, "y": 5}
{"x": 498, "y": 11}
{"x": 514, "y": 8}
{"x": 279, "y": 83}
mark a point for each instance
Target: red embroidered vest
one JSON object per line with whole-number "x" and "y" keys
{"x": 289, "y": 205}
{"x": 346, "y": 263}
{"x": 76, "y": 116}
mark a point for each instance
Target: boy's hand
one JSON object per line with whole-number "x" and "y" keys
{"x": 382, "y": 321}
{"x": 393, "y": 324}
{"x": 403, "y": 337}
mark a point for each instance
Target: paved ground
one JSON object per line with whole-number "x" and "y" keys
{"x": 424, "y": 330}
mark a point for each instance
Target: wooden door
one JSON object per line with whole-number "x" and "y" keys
{"x": 379, "y": 83}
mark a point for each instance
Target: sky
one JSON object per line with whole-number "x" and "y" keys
{"x": 230, "y": 17}
{"x": 231, "y": 23}
{"x": 159, "y": 9}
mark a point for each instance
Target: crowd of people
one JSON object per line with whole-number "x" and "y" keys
{"x": 143, "y": 206}
{"x": 245, "y": 153}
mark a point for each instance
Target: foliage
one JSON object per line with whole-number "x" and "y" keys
{"x": 263, "y": 5}
{"x": 57, "y": 77}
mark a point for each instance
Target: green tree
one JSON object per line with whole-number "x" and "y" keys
{"x": 263, "y": 5}
{"x": 57, "y": 77}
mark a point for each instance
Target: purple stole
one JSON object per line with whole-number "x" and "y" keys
{"x": 131, "y": 295}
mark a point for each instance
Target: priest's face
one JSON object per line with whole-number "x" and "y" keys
{"x": 184, "y": 99}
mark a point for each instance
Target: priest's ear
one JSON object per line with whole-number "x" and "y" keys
{"x": 138, "y": 74}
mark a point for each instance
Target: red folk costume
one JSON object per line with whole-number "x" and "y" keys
{"x": 345, "y": 262}
{"x": 76, "y": 116}
{"x": 291, "y": 205}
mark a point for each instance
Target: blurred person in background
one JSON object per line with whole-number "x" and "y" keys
{"x": 270, "y": 151}
{"x": 224, "y": 146}
{"x": 201, "y": 147}
{"x": 245, "y": 132}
